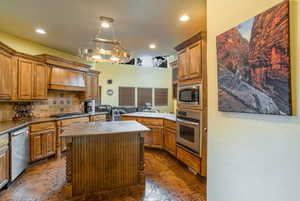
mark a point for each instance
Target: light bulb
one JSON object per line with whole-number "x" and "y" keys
{"x": 105, "y": 25}
{"x": 184, "y": 18}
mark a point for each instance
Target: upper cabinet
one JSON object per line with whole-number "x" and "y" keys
{"x": 25, "y": 77}
{"x": 6, "y": 70}
{"x": 92, "y": 85}
{"x": 32, "y": 79}
{"x": 190, "y": 59}
{"x": 40, "y": 81}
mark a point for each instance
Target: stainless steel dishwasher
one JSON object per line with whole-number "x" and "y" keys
{"x": 19, "y": 152}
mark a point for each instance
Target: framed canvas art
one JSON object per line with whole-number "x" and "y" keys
{"x": 254, "y": 65}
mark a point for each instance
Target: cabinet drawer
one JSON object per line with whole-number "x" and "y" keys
{"x": 189, "y": 159}
{"x": 4, "y": 140}
{"x": 68, "y": 122}
{"x": 127, "y": 118}
{"x": 151, "y": 122}
{"x": 170, "y": 124}
{"x": 42, "y": 126}
{"x": 99, "y": 117}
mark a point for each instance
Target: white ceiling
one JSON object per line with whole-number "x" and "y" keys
{"x": 71, "y": 23}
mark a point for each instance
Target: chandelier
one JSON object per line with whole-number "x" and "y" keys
{"x": 104, "y": 48}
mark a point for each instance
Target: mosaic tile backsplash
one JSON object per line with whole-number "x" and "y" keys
{"x": 58, "y": 102}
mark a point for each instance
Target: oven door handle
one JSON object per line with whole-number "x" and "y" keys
{"x": 188, "y": 122}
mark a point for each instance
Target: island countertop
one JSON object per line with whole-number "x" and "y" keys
{"x": 103, "y": 128}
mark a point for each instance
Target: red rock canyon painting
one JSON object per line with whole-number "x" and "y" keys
{"x": 254, "y": 65}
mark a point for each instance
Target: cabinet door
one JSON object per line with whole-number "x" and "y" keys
{"x": 95, "y": 87}
{"x": 148, "y": 138}
{"x": 36, "y": 150}
{"x": 25, "y": 85}
{"x": 48, "y": 141}
{"x": 183, "y": 65}
{"x": 4, "y": 165}
{"x": 5, "y": 76}
{"x": 157, "y": 137}
{"x": 172, "y": 143}
{"x": 88, "y": 89}
{"x": 195, "y": 69}
{"x": 40, "y": 81}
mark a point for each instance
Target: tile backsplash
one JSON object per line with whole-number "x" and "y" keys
{"x": 58, "y": 102}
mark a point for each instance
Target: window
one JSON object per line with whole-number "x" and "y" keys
{"x": 144, "y": 96}
{"x": 161, "y": 96}
{"x": 126, "y": 96}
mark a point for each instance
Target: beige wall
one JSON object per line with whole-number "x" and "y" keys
{"x": 132, "y": 76}
{"x": 251, "y": 157}
{"x": 29, "y": 47}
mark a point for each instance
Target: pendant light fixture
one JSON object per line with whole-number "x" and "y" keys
{"x": 104, "y": 48}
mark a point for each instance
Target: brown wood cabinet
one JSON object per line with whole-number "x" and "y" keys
{"x": 42, "y": 140}
{"x": 189, "y": 159}
{"x": 88, "y": 88}
{"x": 183, "y": 65}
{"x": 92, "y": 85}
{"x": 40, "y": 81}
{"x": 63, "y": 124}
{"x": 170, "y": 136}
{"x": 190, "y": 62}
{"x": 6, "y": 62}
{"x": 98, "y": 117}
{"x": 4, "y": 160}
{"x": 32, "y": 80}
{"x": 25, "y": 75}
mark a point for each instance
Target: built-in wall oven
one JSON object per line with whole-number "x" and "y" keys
{"x": 190, "y": 95}
{"x": 189, "y": 130}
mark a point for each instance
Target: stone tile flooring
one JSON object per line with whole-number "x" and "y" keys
{"x": 166, "y": 180}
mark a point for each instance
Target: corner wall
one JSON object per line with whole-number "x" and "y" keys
{"x": 133, "y": 76}
{"x": 251, "y": 157}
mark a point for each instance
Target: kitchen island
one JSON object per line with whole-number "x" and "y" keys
{"x": 104, "y": 157}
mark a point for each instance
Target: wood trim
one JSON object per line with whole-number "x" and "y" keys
{"x": 6, "y": 48}
{"x": 190, "y": 41}
{"x": 65, "y": 88}
{"x": 66, "y": 63}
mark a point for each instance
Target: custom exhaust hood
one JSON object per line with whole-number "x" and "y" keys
{"x": 65, "y": 75}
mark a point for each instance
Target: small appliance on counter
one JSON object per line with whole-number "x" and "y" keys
{"x": 189, "y": 130}
{"x": 89, "y": 106}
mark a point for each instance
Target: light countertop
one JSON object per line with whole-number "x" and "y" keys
{"x": 167, "y": 116}
{"x": 103, "y": 128}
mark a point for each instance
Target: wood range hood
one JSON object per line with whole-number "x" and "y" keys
{"x": 65, "y": 75}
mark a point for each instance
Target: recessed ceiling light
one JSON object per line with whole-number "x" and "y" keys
{"x": 105, "y": 25}
{"x": 184, "y": 18}
{"x": 152, "y": 46}
{"x": 40, "y": 31}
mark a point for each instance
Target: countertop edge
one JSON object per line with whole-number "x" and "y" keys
{"x": 144, "y": 116}
{"x": 36, "y": 121}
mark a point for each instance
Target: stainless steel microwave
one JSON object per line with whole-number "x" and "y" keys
{"x": 190, "y": 95}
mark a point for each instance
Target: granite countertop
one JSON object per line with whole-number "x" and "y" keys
{"x": 167, "y": 116}
{"x": 103, "y": 128}
{"x": 8, "y": 126}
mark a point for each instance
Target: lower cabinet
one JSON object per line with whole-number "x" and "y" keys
{"x": 154, "y": 137}
{"x": 189, "y": 159}
{"x": 170, "y": 141}
{"x": 4, "y": 165}
{"x": 42, "y": 144}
